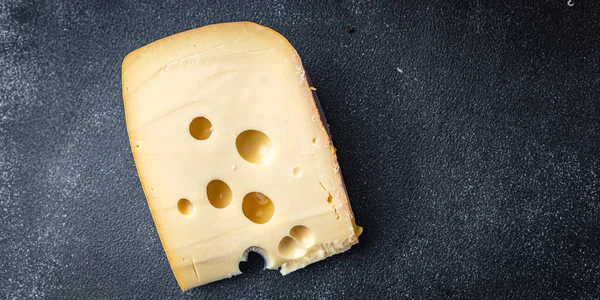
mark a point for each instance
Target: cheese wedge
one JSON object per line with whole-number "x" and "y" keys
{"x": 233, "y": 153}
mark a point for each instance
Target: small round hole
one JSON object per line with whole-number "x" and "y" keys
{"x": 254, "y": 262}
{"x": 290, "y": 249}
{"x": 185, "y": 207}
{"x": 200, "y": 128}
{"x": 254, "y": 146}
{"x": 297, "y": 171}
{"x": 219, "y": 193}
{"x": 257, "y": 207}
{"x": 314, "y": 141}
{"x": 303, "y": 235}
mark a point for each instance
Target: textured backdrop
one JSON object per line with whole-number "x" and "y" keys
{"x": 468, "y": 134}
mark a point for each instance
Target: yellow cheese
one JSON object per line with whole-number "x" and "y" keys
{"x": 233, "y": 154}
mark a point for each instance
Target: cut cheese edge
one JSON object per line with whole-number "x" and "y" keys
{"x": 233, "y": 153}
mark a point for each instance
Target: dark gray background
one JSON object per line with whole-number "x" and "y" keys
{"x": 468, "y": 134}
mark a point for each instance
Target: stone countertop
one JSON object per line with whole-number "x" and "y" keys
{"x": 468, "y": 134}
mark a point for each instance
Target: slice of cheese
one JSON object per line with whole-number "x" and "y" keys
{"x": 233, "y": 154}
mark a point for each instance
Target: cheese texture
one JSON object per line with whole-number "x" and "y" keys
{"x": 233, "y": 153}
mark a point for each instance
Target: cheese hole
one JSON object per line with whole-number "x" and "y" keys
{"x": 185, "y": 207}
{"x": 219, "y": 193}
{"x": 297, "y": 171}
{"x": 254, "y": 146}
{"x": 303, "y": 235}
{"x": 253, "y": 263}
{"x": 200, "y": 128}
{"x": 257, "y": 207}
{"x": 288, "y": 248}
{"x": 314, "y": 141}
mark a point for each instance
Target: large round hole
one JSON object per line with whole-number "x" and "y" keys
{"x": 200, "y": 128}
{"x": 257, "y": 207}
{"x": 219, "y": 193}
{"x": 185, "y": 207}
{"x": 254, "y": 146}
{"x": 303, "y": 235}
{"x": 290, "y": 249}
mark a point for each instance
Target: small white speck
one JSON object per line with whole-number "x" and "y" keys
{"x": 399, "y": 70}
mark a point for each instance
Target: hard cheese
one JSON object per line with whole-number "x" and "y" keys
{"x": 233, "y": 154}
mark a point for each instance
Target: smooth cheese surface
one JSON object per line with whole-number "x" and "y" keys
{"x": 232, "y": 153}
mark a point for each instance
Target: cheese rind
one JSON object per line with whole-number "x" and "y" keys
{"x": 233, "y": 153}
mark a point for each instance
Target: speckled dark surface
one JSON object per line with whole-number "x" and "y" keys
{"x": 468, "y": 134}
